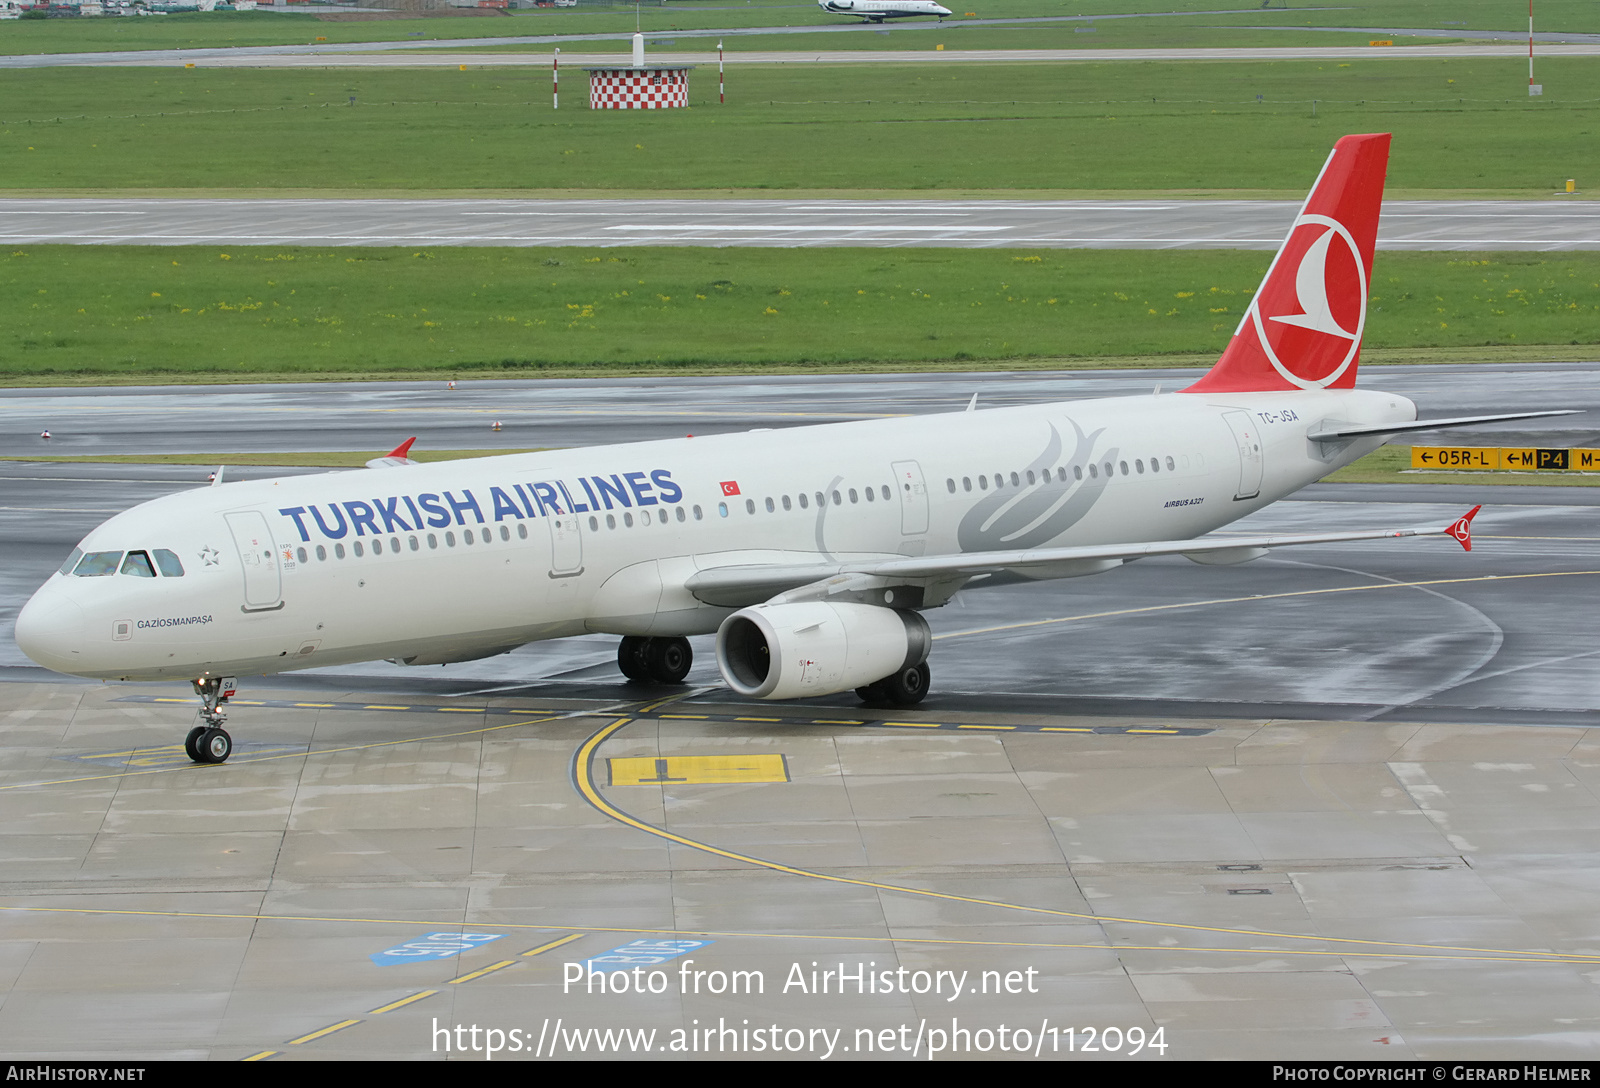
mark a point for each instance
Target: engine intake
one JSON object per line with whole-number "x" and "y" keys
{"x": 792, "y": 651}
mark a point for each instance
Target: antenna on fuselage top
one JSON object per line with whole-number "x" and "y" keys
{"x": 972, "y": 405}
{"x": 216, "y": 477}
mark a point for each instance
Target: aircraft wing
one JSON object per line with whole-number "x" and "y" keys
{"x": 737, "y": 586}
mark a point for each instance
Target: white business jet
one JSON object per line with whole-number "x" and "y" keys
{"x": 876, "y": 11}
{"x": 811, "y": 552}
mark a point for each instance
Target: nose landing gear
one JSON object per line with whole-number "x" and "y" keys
{"x": 209, "y": 742}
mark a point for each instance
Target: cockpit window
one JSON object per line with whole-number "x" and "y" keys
{"x": 168, "y": 563}
{"x": 72, "y": 561}
{"x": 98, "y": 564}
{"x": 138, "y": 565}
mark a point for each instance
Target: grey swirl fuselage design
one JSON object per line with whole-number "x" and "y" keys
{"x": 1028, "y": 516}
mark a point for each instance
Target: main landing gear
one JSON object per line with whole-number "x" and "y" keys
{"x": 904, "y": 688}
{"x": 208, "y": 742}
{"x": 663, "y": 660}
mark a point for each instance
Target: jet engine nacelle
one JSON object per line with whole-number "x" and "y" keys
{"x": 792, "y": 651}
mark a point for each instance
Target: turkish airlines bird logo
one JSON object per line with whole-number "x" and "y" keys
{"x": 1310, "y": 324}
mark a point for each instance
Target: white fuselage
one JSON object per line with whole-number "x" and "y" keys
{"x": 355, "y": 566}
{"x": 879, "y": 10}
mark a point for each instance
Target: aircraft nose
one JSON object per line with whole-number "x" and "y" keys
{"x": 50, "y": 630}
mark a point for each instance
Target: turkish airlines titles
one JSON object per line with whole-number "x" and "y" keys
{"x": 438, "y": 510}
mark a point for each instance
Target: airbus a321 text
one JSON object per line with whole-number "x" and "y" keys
{"x": 811, "y": 552}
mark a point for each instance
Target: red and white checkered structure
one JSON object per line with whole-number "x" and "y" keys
{"x": 648, "y": 88}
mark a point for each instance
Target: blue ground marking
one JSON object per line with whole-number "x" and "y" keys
{"x": 641, "y": 953}
{"x": 433, "y": 946}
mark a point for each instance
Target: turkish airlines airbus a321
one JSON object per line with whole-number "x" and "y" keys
{"x": 811, "y": 552}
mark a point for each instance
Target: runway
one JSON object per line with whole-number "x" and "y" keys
{"x": 986, "y": 224}
{"x": 1340, "y": 804}
{"x": 418, "y": 55}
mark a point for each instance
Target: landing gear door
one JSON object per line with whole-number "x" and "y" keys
{"x": 566, "y": 546}
{"x": 263, "y": 579}
{"x": 913, "y": 497}
{"x": 1247, "y": 435}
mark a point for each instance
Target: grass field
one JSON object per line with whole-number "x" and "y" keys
{"x": 1459, "y": 125}
{"x": 112, "y": 312}
{"x": 215, "y": 29}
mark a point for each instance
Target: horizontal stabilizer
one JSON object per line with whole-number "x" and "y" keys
{"x": 1341, "y": 430}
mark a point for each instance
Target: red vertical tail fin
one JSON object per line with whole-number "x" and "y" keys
{"x": 1303, "y": 328}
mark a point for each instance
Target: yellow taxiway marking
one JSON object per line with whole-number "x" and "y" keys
{"x": 301, "y": 755}
{"x": 1492, "y": 955}
{"x": 480, "y": 972}
{"x": 259, "y": 1057}
{"x": 914, "y": 725}
{"x": 1259, "y": 597}
{"x": 320, "y": 1032}
{"x": 583, "y": 777}
{"x": 985, "y": 726}
{"x": 557, "y": 943}
{"x": 697, "y": 770}
{"x": 402, "y": 1003}
{"x": 385, "y": 708}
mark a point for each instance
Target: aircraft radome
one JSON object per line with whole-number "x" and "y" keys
{"x": 876, "y": 11}
{"x": 811, "y": 552}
